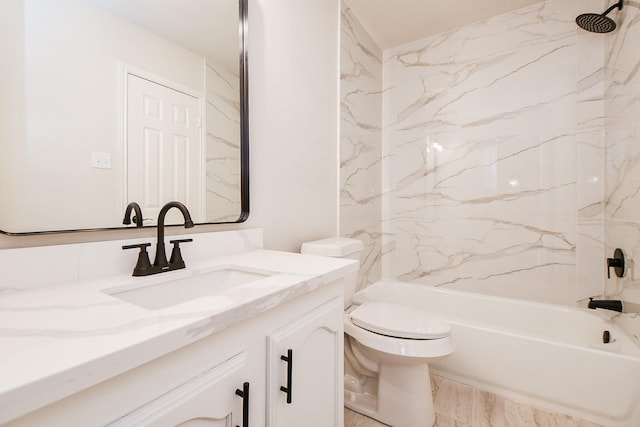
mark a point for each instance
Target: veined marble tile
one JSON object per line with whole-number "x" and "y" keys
{"x": 622, "y": 127}
{"x": 590, "y": 174}
{"x": 361, "y": 143}
{"x": 458, "y": 404}
{"x": 475, "y": 75}
{"x": 452, "y": 400}
{"x": 518, "y": 415}
{"x": 366, "y": 230}
{"x": 624, "y": 235}
{"x": 480, "y": 128}
{"x": 621, "y": 47}
{"x": 622, "y": 118}
{"x": 590, "y": 256}
{"x": 590, "y": 52}
{"x": 513, "y": 259}
{"x": 623, "y": 173}
{"x": 510, "y": 178}
{"x": 354, "y": 419}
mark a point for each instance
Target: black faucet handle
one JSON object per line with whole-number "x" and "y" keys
{"x": 617, "y": 262}
{"x": 178, "y": 241}
{"x": 143, "y": 266}
{"x": 143, "y": 246}
{"x": 176, "y": 260}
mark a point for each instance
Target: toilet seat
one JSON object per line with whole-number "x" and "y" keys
{"x": 388, "y": 344}
{"x": 399, "y": 321}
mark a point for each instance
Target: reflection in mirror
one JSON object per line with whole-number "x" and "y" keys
{"x": 112, "y": 101}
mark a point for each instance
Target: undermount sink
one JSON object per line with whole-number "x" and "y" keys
{"x": 166, "y": 293}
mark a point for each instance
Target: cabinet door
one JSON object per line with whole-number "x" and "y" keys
{"x": 216, "y": 398}
{"x": 305, "y": 370}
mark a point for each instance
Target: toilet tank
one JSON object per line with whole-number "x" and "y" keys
{"x": 338, "y": 247}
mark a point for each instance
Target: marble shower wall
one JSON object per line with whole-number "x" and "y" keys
{"x": 493, "y": 156}
{"x": 361, "y": 142}
{"x": 622, "y": 129}
{"x": 487, "y": 164}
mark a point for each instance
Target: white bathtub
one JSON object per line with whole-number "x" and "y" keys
{"x": 545, "y": 355}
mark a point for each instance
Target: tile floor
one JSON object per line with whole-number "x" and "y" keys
{"x": 460, "y": 405}
{"x": 353, "y": 419}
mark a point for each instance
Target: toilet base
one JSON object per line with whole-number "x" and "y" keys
{"x": 404, "y": 397}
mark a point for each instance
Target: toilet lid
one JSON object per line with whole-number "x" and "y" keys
{"x": 399, "y": 321}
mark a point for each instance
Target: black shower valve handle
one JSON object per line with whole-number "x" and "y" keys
{"x": 617, "y": 262}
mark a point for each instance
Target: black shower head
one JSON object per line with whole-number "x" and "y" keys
{"x": 598, "y": 23}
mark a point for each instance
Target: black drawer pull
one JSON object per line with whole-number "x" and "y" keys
{"x": 244, "y": 394}
{"x": 289, "y": 359}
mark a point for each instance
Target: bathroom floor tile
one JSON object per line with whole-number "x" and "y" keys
{"x": 354, "y": 419}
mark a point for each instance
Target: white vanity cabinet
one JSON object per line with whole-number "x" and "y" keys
{"x": 305, "y": 372}
{"x": 219, "y": 397}
{"x": 200, "y": 384}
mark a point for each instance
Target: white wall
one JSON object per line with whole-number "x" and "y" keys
{"x": 13, "y": 105}
{"x": 293, "y": 66}
{"x": 294, "y": 119}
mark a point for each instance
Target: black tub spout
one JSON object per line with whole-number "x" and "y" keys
{"x": 607, "y": 304}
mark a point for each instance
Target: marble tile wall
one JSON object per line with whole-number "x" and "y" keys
{"x": 503, "y": 161}
{"x": 488, "y": 163}
{"x": 493, "y": 187}
{"x": 361, "y": 142}
{"x": 622, "y": 165}
{"x": 590, "y": 175}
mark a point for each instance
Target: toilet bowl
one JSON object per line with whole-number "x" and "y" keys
{"x": 388, "y": 348}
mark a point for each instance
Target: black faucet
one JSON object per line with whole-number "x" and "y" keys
{"x": 137, "y": 217}
{"x": 161, "y": 256}
{"x": 160, "y": 264}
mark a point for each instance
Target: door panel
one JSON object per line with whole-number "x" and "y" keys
{"x": 164, "y": 149}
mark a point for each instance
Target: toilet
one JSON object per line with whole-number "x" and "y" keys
{"x": 388, "y": 348}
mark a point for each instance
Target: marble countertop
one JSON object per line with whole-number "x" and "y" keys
{"x": 69, "y": 337}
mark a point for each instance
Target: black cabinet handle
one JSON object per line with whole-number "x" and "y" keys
{"x": 289, "y": 359}
{"x": 244, "y": 394}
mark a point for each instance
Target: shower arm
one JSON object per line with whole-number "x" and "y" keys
{"x": 618, "y": 5}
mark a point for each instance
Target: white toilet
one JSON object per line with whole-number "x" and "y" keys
{"x": 388, "y": 348}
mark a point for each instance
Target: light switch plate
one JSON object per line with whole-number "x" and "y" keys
{"x": 100, "y": 160}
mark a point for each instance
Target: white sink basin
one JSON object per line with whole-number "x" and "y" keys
{"x": 166, "y": 293}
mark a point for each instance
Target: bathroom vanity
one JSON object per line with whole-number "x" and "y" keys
{"x": 263, "y": 348}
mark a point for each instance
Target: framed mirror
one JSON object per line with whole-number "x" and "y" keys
{"x": 107, "y": 102}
